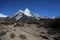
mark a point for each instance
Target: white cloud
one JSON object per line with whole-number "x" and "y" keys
{"x": 2, "y": 15}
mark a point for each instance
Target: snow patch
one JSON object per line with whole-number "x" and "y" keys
{"x": 2, "y": 15}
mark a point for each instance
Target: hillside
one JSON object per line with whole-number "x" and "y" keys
{"x": 23, "y": 27}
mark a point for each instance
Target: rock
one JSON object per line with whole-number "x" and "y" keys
{"x": 2, "y": 33}
{"x": 23, "y": 37}
{"x": 12, "y": 35}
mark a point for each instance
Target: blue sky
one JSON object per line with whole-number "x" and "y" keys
{"x": 43, "y": 7}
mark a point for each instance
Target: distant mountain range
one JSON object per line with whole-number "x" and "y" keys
{"x": 27, "y": 13}
{"x": 25, "y": 16}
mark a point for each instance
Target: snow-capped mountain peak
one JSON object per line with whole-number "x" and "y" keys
{"x": 36, "y": 15}
{"x": 20, "y": 11}
{"x": 27, "y": 12}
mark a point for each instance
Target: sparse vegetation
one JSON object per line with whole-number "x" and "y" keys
{"x": 56, "y": 38}
{"x": 55, "y": 24}
{"x": 52, "y": 32}
{"x": 44, "y": 37}
{"x": 42, "y": 32}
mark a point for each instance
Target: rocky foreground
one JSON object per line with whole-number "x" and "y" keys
{"x": 28, "y": 31}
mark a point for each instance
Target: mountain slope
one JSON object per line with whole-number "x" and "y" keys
{"x": 27, "y": 13}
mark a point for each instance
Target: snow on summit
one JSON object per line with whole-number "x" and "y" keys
{"x": 27, "y": 12}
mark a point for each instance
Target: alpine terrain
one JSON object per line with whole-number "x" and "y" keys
{"x": 24, "y": 25}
